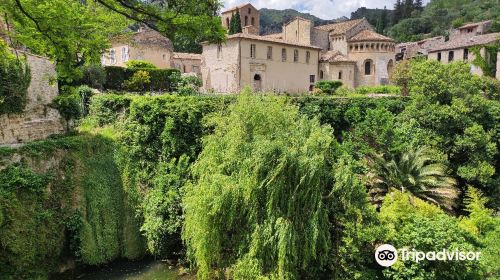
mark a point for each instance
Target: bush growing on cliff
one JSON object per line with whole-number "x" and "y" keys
{"x": 15, "y": 78}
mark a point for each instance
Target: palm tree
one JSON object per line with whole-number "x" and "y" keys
{"x": 414, "y": 171}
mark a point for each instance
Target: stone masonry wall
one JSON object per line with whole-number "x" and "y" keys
{"x": 38, "y": 121}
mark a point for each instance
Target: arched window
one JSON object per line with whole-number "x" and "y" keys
{"x": 368, "y": 67}
{"x": 321, "y": 74}
{"x": 246, "y": 20}
{"x": 340, "y": 75}
{"x": 253, "y": 21}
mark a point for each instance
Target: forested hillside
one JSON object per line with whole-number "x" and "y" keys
{"x": 439, "y": 15}
{"x": 272, "y": 20}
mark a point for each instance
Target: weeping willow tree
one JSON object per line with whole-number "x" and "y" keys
{"x": 261, "y": 201}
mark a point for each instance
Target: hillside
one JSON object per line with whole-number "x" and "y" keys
{"x": 271, "y": 21}
{"x": 439, "y": 15}
{"x": 372, "y": 15}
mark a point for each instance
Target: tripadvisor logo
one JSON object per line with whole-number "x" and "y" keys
{"x": 386, "y": 255}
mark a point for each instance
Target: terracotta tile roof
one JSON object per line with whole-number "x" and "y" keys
{"x": 369, "y": 35}
{"x": 269, "y": 39}
{"x": 236, "y": 8}
{"x": 463, "y": 42}
{"x": 187, "y": 55}
{"x": 340, "y": 27}
{"x": 474, "y": 24}
{"x": 333, "y": 56}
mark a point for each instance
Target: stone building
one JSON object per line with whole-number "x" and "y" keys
{"x": 249, "y": 17}
{"x": 187, "y": 63}
{"x": 409, "y": 50}
{"x": 265, "y": 64}
{"x": 461, "y": 43}
{"x": 470, "y": 29}
{"x": 349, "y": 51}
{"x": 146, "y": 44}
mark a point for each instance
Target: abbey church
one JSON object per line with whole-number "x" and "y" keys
{"x": 293, "y": 60}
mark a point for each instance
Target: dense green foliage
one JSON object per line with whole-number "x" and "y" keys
{"x": 264, "y": 193}
{"x": 439, "y": 15}
{"x": 140, "y": 64}
{"x": 328, "y": 87}
{"x": 414, "y": 224}
{"x": 159, "y": 79}
{"x": 271, "y": 187}
{"x": 74, "y": 207}
{"x": 15, "y": 78}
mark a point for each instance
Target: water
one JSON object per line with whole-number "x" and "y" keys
{"x": 125, "y": 270}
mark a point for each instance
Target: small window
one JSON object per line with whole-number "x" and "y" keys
{"x": 451, "y": 56}
{"x": 227, "y": 22}
{"x": 439, "y": 56}
{"x": 308, "y": 56}
{"x": 295, "y": 55}
{"x": 340, "y": 75}
{"x": 112, "y": 56}
{"x": 321, "y": 74}
{"x": 269, "y": 52}
{"x": 246, "y": 20}
{"x": 368, "y": 67}
{"x": 252, "y": 50}
{"x": 312, "y": 79}
{"x": 219, "y": 51}
{"x": 253, "y": 21}
{"x": 283, "y": 54}
{"x": 249, "y": 10}
{"x": 466, "y": 54}
{"x": 164, "y": 57}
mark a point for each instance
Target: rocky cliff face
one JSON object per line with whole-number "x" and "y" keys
{"x": 39, "y": 120}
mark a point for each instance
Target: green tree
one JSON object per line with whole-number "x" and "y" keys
{"x": 15, "y": 78}
{"x": 414, "y": 172}
{"x": 258, "y": 197}
{"x": 382, "y": 21}
{"x": 76, "y": 32}
{"x": 235, "y": 24}
{"x": 414, "y": 224}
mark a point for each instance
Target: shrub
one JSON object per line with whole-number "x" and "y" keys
{"x": 382, "y": 89}
{"x": 69, "y": 105}
{"x": 328, "y": 87}
{"x": 139, "y": 81}
{"x": 85, "y": 93}
{"x": 140, "y": 64}
{"x": 94, "y": 76}
{"x": 162, "y": 80}
{"x": 15, "y": 78}
{"x": 115, "y": 76}
{"x": 189, "y": 85}
{"x": 106, "y": 108}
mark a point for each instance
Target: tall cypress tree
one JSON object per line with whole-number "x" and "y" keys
{"x": 382, "y": 21}
{"x": 235, "y": 24}
{"x": 419, "y": 5}
{"x": 398, "y": 12}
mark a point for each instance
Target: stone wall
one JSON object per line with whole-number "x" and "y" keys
{"x": 38, "y": 121}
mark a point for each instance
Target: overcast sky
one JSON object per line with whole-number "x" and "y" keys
{"x": 325, "y": 9}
